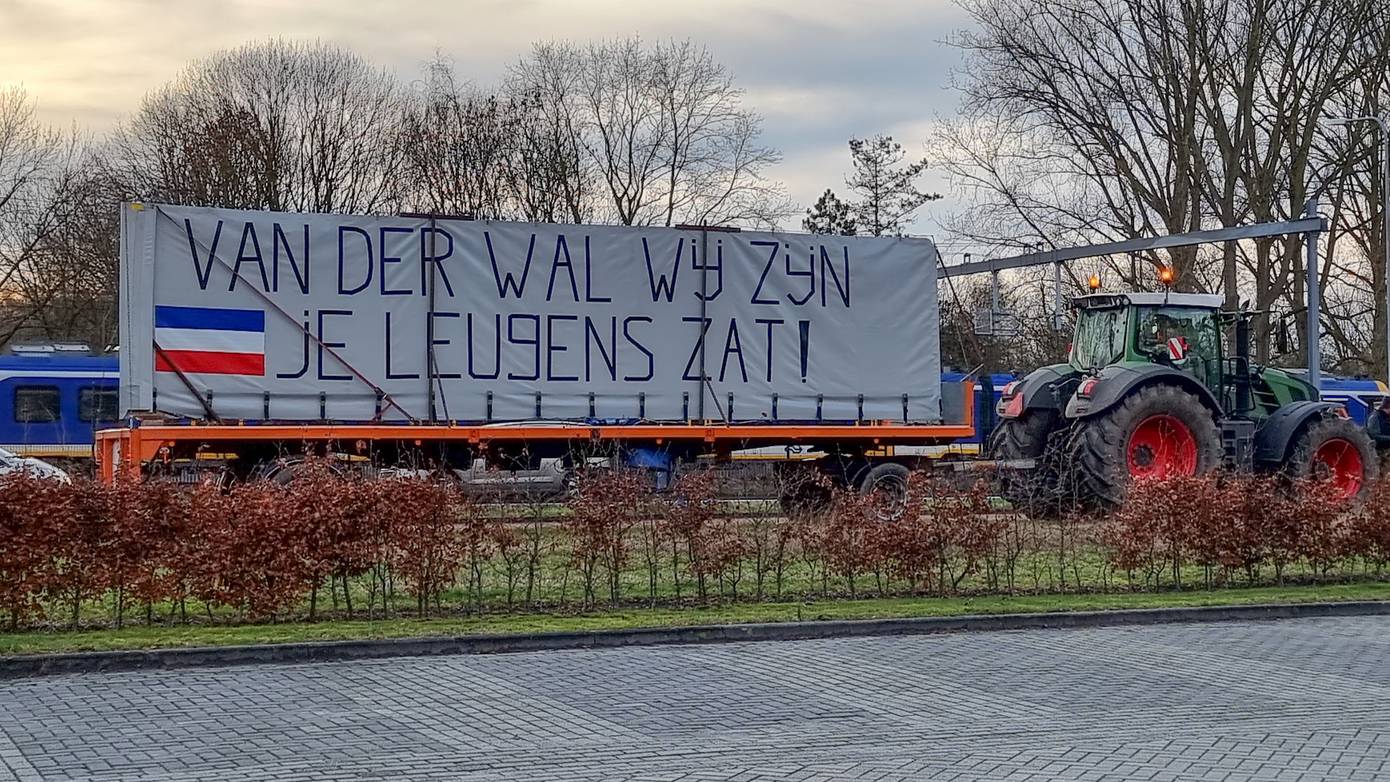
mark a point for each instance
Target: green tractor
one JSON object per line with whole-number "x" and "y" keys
{"x": 1148, "y": 392}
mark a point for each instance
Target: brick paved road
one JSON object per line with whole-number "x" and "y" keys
{"x": 1303, "y": 699}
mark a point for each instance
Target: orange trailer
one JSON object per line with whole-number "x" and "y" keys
{"x": 196, "y": 450}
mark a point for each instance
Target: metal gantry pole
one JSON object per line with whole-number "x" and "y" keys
{"x": 1314, "y": 347}
{"x": 1056, "y": 297}
{"x": 1385, "y": 228}
{"x": 1190, "y": 239}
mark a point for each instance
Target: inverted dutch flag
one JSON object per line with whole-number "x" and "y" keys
{"x": 209, "y": 340}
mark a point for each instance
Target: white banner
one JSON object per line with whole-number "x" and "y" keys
{"x": 260, "y": 315}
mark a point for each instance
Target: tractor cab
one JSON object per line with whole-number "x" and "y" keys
{"x": 1181, "y": 330}
{"x": 1184, "y": 332}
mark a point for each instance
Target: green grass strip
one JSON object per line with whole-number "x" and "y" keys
{"x": 162, "y": 636}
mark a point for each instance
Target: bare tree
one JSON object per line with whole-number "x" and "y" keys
{"x": 272, "y": 125}
{"x": 72, "y": 281}
{"x": 457, "y": 144}
{"x": 1088, "y": 120}
{"x": 661, "y": 133}
{"x": 1354, "y": 266}
{"x": 38, "y": 167}
{"x": 508, "y": 156}
{"x": 550, "y": 179}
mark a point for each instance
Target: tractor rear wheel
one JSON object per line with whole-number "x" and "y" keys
{"x": 1337, "y": 451}
{"x": 1156, "y": 432}
{"x": 1022, "y": 438}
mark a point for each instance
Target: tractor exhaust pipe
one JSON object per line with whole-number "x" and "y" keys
{"x": 1240, "y": 384}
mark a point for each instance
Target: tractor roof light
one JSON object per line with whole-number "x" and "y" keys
{"x": 1165, "y": 275}
{"x": 1094, "y": 282}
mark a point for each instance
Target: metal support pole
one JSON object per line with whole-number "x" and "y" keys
{"x": 704, "y": 308}
{"x": 1385, "y": 230}
{"x": 1190, "y": 239}
{"x": 1310, "y": 263}
{"x": 1056, "y": 297}
{"x": 429, "y": 324}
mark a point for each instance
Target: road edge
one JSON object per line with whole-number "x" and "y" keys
{"x": 19, "y": 666}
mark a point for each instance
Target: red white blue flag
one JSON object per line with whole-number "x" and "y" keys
{"x": 209, "y": 340}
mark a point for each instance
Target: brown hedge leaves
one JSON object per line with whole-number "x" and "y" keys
{"x": 263, "y": 551}
{"x": 259, "y": 548}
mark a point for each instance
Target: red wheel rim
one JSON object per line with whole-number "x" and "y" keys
{"x": 1162, "y": 447}
{"x": 1338, "y": 462}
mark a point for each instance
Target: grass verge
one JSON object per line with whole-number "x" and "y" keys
{"x": 147, "y": 637}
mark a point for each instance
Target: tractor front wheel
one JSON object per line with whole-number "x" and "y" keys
{"x": 1156, "y": 432}
{"x": 1335, "y": 450}
{"x": 1026, "y": 438}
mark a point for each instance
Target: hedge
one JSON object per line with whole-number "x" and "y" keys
{"x": 260, "y": 551}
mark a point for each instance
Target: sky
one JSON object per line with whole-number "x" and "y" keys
{"x": 818, "y": 71}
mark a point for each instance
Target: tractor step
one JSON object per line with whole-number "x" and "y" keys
{"x": 1238, "y": 444}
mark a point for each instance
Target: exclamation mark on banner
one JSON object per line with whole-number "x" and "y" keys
{"x": 805, "y": 327}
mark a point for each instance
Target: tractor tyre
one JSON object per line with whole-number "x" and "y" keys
{"x": 1156, "y": 432}
{"x": 1336, "y": 450}
{"x": 1026, "y": 437}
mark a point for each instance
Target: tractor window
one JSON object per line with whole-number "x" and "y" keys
{"x": 1189, "y": 338}
{"x": 1100, "y": 338}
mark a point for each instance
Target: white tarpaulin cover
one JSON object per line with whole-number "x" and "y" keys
{"x": 263, "y": 315}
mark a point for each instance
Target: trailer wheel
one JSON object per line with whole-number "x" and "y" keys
{"x": 1156, "y": 432}
{"x": 1335, "y": 450}
{"x": 887, "y": 482}
{"x": 283, "y": 472}
{"x": 1026, "y": 437}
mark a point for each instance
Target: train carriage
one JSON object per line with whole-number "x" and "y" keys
{"x": 52, "y": 402}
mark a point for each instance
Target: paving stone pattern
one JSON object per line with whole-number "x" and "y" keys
{"x": 1305, "y": 699}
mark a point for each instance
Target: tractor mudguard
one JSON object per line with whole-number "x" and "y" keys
{"x": 1274, "y": 435}
{"x": 1045, "y": 388}
{"x": 1118, "y": 381}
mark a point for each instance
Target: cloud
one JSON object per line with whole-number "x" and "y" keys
{"x": 819, "y": 71}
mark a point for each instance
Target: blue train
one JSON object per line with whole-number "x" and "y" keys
{"x": 52, "y": 402}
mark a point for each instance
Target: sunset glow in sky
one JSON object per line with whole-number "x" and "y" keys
{"x": 819, "y": 71}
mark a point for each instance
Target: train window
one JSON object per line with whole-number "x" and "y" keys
{"x": 35, "y": 404}
{"x": 96, "y": 404}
